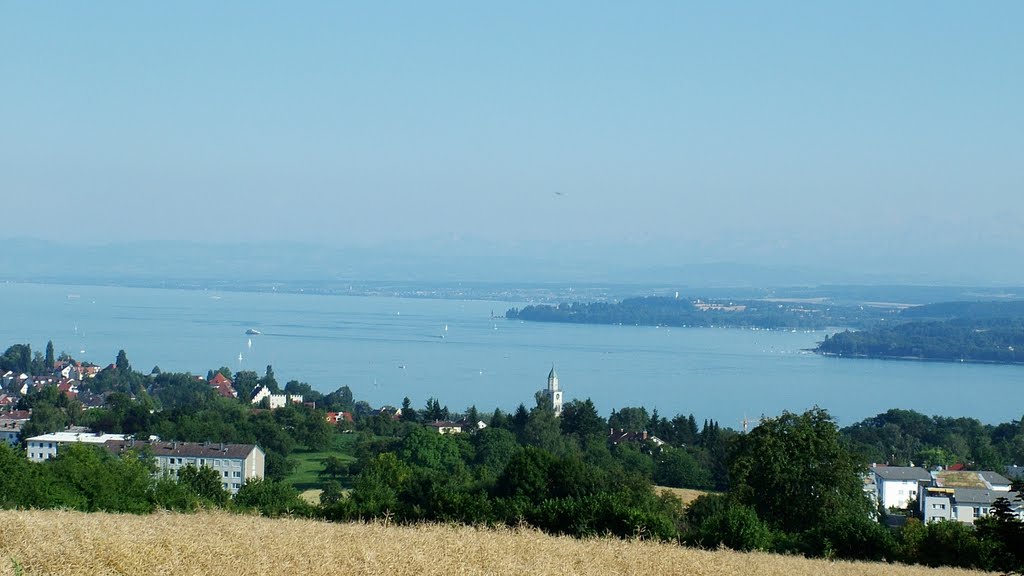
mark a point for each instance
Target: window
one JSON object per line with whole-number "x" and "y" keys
{"x": 225, "y": 473}
{"x": 236, "y": 485}
{"x": 238, "y": 474}
{"x": 225, "y": 485}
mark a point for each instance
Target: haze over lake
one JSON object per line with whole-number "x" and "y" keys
{"x": 389, "y": 348}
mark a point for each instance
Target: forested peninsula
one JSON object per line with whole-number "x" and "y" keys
{"x": 990, "y": 332}
{"x": 995, "y": 340}
{"x": 686, "y": 312}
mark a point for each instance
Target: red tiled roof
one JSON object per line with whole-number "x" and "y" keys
{"x": 220, "y": 379}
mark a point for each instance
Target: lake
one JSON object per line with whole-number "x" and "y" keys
{"x": 389, "y": 348}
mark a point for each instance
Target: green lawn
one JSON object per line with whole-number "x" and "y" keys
{"x": 309, "y": 464}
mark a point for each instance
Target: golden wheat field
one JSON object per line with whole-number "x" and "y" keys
{"x": 60, "y": 542}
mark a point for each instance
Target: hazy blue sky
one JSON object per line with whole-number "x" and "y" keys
{"x": 875, "y": 135}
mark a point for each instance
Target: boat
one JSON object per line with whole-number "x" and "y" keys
{"x": 253, "y": 332}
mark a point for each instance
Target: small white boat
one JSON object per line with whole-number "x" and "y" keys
{"x": 253, "y": 332}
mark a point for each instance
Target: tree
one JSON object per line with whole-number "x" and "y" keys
{"x": 580, "y": 418}
{"x": 630, "y": 419}
{"x": 296, "y": 388}
{"x": 269, "y": 381}
{"x": 121, "y": 363}
{"x": 794, "y": 471}
{"x": 271, "y": 498}
{"x": 204, "y": 483}
{"x": 335, "y": 468}
{"x": 49, "y": 361}
{"x": 543, "y": 430}
{"x": 17, "y": 358}
{"x": 495, "y": 447}
{"x": 472, "y": 416}
{"x": 245, "y": 382}
{"x": 339, "y": 401}
{"x": 409, "y": 413}
{"x": 717, "y": 520}
{"x": 675, "y": 467}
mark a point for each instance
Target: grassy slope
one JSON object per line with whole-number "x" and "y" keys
{"x": 58, "y": 542}
{"x": 309, "y": 464}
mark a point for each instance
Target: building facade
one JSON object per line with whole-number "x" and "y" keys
{"x": 46, "y": 446}
{"x": 233, "y": 463}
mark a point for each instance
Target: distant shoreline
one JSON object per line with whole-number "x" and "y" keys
{"x": 913, "y": 358}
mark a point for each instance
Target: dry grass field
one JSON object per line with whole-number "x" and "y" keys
{"x": 58, "y": 542}
{"x": 687, "y": 495}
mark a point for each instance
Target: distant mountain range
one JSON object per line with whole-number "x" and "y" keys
{"x": 614, "y": 271}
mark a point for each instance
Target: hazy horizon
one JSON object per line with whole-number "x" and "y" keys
{"x": 878, "y": 141}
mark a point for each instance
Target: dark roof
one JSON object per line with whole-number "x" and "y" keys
{"x": 185, "y": 449}
{"x": 994, "y": 478}
{"x": 965, "y": 496}
{"x": 16, "y": 415}
{"x": 1015, "y": 471}
{"x": 902, "y": 473}
{"x": 12, "y": 425}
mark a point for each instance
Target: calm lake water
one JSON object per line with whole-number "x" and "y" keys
{"x": 388, "y": 348}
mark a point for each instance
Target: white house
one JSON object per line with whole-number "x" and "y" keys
{"x": 45, "y": 447}
{"x": 445, "y": 427}
{"x": 898, "y": 486}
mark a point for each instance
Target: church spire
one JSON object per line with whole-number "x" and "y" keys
{"x": 553, "y": 394}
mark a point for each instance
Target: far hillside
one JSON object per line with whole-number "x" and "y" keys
{"x": 970, "y": 310}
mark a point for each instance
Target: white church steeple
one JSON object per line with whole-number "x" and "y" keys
{"x": 553, "y": 393}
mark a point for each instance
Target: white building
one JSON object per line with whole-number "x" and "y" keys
{"x": 234, "y": 463}
{"x": 964, "y": 495}
{"x": 45, "y": 447}
{"x": 274, "y": 400}
{"x": 898, "y": 486}
{"x": 552, "y": 393}
{"x": 10, "y": 431}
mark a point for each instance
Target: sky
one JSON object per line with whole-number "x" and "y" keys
{"x": 872, "y": 136}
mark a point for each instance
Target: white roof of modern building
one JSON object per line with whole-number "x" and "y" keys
{"x": 902, "y": 473}
{"x": 86, "y": 437}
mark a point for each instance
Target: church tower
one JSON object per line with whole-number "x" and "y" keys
{"x": 553, "y": 393}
